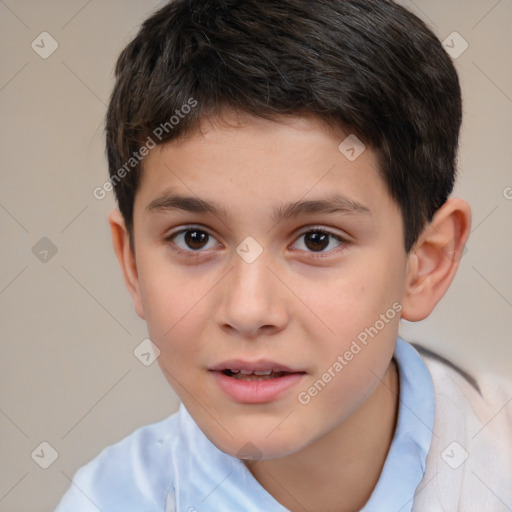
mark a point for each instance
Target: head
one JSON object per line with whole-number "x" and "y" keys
{"x": 227, "y": 143}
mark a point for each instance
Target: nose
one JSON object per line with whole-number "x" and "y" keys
{"x": 254, "y": 300}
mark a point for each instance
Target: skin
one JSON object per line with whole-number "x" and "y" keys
{"x": 298, "y": 303}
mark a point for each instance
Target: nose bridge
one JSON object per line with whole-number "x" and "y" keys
{"x": 251, "y": 278}
{"x": 252, "y": 296}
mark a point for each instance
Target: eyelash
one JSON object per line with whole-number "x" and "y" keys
{"x": 200, "y": 253}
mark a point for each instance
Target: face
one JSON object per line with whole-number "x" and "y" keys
{"x": 262, "y": 248}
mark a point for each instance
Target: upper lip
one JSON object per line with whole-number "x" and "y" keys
{"x": 253, "y": 366}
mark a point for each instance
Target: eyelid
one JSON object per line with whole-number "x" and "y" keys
{"x": 323, "y": 229}
{"x": 188, "y": 227}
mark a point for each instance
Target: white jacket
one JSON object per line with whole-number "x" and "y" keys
{"x": 469, "y": 465}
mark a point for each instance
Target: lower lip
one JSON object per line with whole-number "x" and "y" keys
{"x": 256, "y": 391}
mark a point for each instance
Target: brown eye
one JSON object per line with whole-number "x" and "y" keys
{"x": 192, "y": 240}
{"x": 196, "y": 239}
{"x": 318, "y": 240}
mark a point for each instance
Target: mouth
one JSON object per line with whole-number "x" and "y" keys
{"x": 255, "y": 382}
{"x": 255, "y": 375}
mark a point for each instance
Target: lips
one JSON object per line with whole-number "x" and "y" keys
{"x": 255, "y": 382}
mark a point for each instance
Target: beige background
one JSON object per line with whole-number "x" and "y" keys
{"x": 68, "y": 375}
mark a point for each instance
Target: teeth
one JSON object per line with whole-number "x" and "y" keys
{"x": 265, "y": 372}
{"x": 248, "y": 372}
{"x": 254, "y": 377}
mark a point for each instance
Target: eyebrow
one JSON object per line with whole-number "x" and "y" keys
{"x": 335, "y": 203}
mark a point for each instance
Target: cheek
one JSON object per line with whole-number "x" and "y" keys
{"x": 362, "y": 312}
{"x": 354, "y": 301}
{"x": 173, "y": 307}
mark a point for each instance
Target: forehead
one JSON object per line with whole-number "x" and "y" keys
{"x": 249, "y": 160}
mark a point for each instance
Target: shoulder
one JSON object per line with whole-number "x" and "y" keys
{"x": 132, "y": 475}
{"x": 470, "y": 457}
{"x": 483, "y": 389}
{"x": 480, "y": 398}
{"x": 487, "y": 384}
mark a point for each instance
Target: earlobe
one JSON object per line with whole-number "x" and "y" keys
{"x": 126, "y": 258}
{"x": 434, "y": 260}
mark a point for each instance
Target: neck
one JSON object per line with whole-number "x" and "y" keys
{"x": 338, "y": 472}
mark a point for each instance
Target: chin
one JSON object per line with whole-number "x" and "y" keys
{"x": 254, "y": 445}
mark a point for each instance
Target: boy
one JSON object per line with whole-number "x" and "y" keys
{"x": 283, "y": 171}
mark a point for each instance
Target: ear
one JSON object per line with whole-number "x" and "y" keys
{"x": 434, "y": 259}
{"x": 126, "y": 258}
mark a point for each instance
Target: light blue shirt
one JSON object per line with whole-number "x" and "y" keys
{"x": 171, "y": 466}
